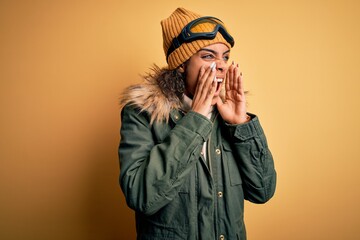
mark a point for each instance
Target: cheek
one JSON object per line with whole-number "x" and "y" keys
{"x": 190, "y": 84}
{"x": 191, "y": 80}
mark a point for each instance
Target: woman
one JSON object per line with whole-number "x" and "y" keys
{"x": 189, "y": 153}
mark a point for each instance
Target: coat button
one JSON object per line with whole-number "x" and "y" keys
{"x": 218, "y": 151}
{"x": 220, "y": 194}
{"x": 221, "y": 237}
{"x": 176, "y": 117}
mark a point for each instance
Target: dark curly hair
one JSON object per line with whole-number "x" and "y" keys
{"x": 171, "y": 82}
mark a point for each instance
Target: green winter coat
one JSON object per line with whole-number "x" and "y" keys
{"x": 174, "y": 191}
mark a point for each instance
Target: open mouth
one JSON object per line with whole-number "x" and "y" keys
{"x": 219, "y": 81}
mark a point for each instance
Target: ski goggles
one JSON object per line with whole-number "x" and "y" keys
{"x": 200, "y": 28}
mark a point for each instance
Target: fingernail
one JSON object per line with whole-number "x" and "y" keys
{"x": 233, "y": 63}
{"x": 214, "y": 68}
{"x": 213, "y": 65}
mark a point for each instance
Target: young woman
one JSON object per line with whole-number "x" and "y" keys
{"x": 190, "y": 153}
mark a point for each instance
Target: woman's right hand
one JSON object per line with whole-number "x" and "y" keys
{"x": 205, "y": 90}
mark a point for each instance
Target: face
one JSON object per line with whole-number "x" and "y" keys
{"x": 218, "y": 53}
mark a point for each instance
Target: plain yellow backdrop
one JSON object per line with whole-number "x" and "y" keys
{"x": 64, "y": 63}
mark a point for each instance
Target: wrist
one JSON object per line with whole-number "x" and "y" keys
{"x": 243, "y": 119}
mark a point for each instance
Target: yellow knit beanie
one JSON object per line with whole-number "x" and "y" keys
{"x": 171, "y": 28}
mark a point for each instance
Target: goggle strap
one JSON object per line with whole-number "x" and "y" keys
{"x": 175, "y": 43}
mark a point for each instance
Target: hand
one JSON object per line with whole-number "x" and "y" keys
{"x": 205, "y": 90}
{"x": 233, "y": 109}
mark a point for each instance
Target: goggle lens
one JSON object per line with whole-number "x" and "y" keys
{"x": 203, "y": 26}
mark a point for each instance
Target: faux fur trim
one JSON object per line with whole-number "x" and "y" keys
{"x": 149, "y": 97}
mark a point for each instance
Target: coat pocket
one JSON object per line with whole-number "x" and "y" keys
{"x": 170, "y": 222}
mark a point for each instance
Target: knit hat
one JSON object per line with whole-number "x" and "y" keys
{"x": 171, "y": 28}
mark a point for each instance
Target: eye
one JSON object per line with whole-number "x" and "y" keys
{"x": 226, "y": 58}
{"x": 208, "y": 56}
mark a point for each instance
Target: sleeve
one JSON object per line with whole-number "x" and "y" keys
{"x": 151, "y": 173}
{"x": 255, "y": 160}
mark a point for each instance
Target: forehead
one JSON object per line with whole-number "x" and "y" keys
{"x": 217, "y": 48}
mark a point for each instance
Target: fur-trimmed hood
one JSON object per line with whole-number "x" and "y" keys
{"x": 151, "y": 95}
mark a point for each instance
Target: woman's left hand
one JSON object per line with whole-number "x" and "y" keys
{"x": 233, "y": 110}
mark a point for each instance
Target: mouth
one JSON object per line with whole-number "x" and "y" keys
{"x": 219, "y": 83}
{"x": 219, "y": 80}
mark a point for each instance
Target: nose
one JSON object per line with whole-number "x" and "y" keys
{"x": 221, "y": 65}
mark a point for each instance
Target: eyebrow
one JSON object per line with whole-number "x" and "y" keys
{"x": 213, "y": 51}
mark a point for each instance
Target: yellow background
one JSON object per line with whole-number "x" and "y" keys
{"x": 64, "y": 63}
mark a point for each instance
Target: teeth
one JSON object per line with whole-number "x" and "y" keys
{"x": 219, "y": 80}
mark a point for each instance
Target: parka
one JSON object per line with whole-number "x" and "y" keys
{"x": 176, "y": 190}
